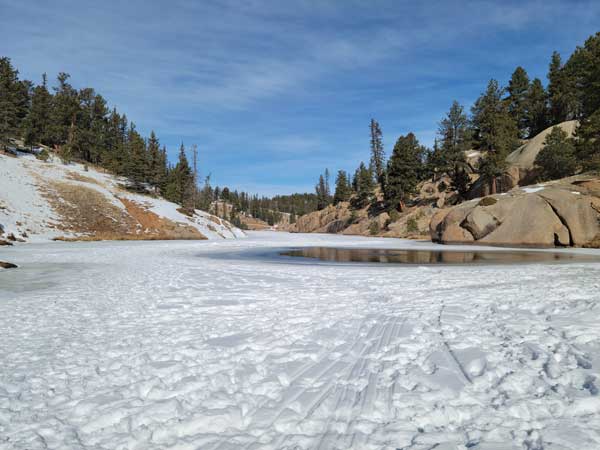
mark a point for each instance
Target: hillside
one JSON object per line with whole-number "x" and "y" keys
{"x": 41, "y": 201}
{"x": 246, "y": 220}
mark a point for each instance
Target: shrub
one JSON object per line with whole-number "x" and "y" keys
{"x": 352, "y": 219}
{"x": 374, "y": 228}
{"x": 487, "y": 201}
{"x": 394, "y": 215}
{"x": 442, "y": 187}
{"x": 411, "y": 225}
{"x": 43, "y": 155}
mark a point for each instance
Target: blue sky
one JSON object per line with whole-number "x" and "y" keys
{"x": 273, "y": 92}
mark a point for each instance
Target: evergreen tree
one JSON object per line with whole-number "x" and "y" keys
{"x": 403, "y": 171}
{"x": 455, "y": 139}
{"x": 557, "y": 158}
{"x": 518, "y": 89}
{"x": 36, "y": 126}
{"x": 582, "y": 78}
{"x": 65, "y": 108}
{"x": 377, "y": 164}
{"x": 561, "y": 91}
{"x": 9, "y": 102}
{"x": 435, "y": 161}
{"x": 97, "y": 113}
{"x": 363, "y": 180}
{"x": 206, "y": 195}
{"x": 180, "y": 184}
{"x": 537, "y": 108}
{"x": 322, "y": 193}
{"x": 588, "y": 142}
{"x": 137, "y": 162}
{"x": 495, "y": 131}
{"x": 342, "y": 188}
{"x": 157, "y": 162}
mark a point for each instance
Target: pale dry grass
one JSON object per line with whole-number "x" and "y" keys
{"x": 75, "y": 176}
{"x": 91, "y": 216}
{"x": 157, "y": 226}
{"x": 86, "y": 211}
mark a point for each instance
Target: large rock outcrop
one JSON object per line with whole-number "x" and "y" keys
{"x": 342, "y": 219}
{"x": 332, "y": 219}
{"x": 561, "y": 213}
{"x": 524, "y": 157}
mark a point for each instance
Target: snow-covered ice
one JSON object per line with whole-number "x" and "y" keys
{"x": 208, "y": 345}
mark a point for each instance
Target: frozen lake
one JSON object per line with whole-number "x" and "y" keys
{"x": 216, "y": 345}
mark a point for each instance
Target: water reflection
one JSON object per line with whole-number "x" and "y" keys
{"x": 395, "y": 256}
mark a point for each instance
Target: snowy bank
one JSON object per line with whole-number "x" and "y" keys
{"x": 40, "y": 201}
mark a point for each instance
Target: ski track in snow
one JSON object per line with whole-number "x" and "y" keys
{"x": 154, "y": 345}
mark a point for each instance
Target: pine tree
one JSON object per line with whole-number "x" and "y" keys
{"x": 37, "y": 123}
{"x": 455, "y": 140}
{"x": 557, "y": 158}
{"x": 404, "y": 167}
{"x": 364, "y": 187}
{"x": 65, "y": 108}
{"x": 137, "y": 161}
{"x": 537, "y": 108}
{"x": 495, "y": 131}
{"x": 518, "y": 89}
{"x": 181, "y": 180}
{"x": 562, "y": 91}
{"x": 377, "y": 164}
{"x": 581, "y": 75}
{"x": 455, "y": 136}
{"x": 9, "y": 102}
{"x": 98, "y": 128}
{"x": 322, "y": 194}
{"x": 342, "y": 188}
{"x": 156, "y": 165}
{"x": 588, "y": 142}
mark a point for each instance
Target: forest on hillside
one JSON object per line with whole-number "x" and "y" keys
{"x": 497, "y": 124}
{"x": 78, "y": 125}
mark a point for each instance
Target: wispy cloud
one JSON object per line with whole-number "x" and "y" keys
{"x": 261, "y": 80}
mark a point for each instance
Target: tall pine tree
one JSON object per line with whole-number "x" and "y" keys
{"x": 518, "y": 89}
{"x": 404, "y": 167}
{"x": 495, "y": 131}
{"x": 537, "y": 108}
{"x": 9, "y": 102}
{"x": 455, "y": 140}
{"x": 377, "y": 164}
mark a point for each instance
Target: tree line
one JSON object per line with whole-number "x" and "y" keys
{"x": 268, "y": 209}
{"x": 79, "y": 126}
{"x": 499, "y": 120}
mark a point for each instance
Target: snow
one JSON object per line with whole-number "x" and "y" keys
{"x": 23, "y": 208}
{"x": 533, "y": 189}
{"x": 213, "y": 345}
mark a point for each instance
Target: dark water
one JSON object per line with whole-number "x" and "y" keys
{"x": 394, "y": 256}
